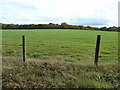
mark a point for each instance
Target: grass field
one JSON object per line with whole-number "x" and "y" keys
{"x": 59, "y": 58}
{"x": 68, "y": 44}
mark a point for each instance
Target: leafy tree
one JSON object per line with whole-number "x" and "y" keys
{"x": 64, "y": 23}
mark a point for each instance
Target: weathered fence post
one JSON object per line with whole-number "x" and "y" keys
{"x": 97, "y": 49}
{"x": 24, "y": 48}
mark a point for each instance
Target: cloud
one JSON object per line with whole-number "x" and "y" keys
{"x": 78, "y": 12}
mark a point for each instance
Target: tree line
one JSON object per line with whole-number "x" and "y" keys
{"x": 63, "y": 25}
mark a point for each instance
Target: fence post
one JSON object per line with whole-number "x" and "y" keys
{"x": 97, "y": 49}
{"x": 24, "y": 48}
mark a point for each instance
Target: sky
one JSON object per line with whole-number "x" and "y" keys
{"x": 75, "y": 12}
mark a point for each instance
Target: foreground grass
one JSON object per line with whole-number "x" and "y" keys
{"x": 58, "y": 73}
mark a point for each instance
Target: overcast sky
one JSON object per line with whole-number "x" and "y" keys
{"x": 75, "y": 12}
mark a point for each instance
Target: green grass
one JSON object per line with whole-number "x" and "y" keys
{"x": 35, "y": 73}
{"x": 68, "y": 44}
{"x": 59, "y": 59}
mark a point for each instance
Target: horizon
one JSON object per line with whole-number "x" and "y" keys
{"x": 99, "y": 26}
{"x": 75, "y": 12}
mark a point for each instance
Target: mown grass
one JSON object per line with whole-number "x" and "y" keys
{"x": 70, "y": 44}
{"x": 58, "y": 74}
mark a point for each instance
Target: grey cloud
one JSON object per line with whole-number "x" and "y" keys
{"x": 92, "y": 20}
{"x": 11, "y": 14}
{"x": 16, "y": 5}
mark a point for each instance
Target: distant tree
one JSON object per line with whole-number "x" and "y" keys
{"x": 64, "y": 23}
{"x": 114, "y": 28}
{"x": 103, "y": 28}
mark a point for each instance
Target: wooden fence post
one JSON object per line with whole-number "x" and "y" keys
{"x": 97, "y": 49}
{"x": 24, "y": 48}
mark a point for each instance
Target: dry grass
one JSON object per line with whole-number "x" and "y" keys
{"x": 36, "y": 73}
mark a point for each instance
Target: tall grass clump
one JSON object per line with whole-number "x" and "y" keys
{"x": 57, "y": 74}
